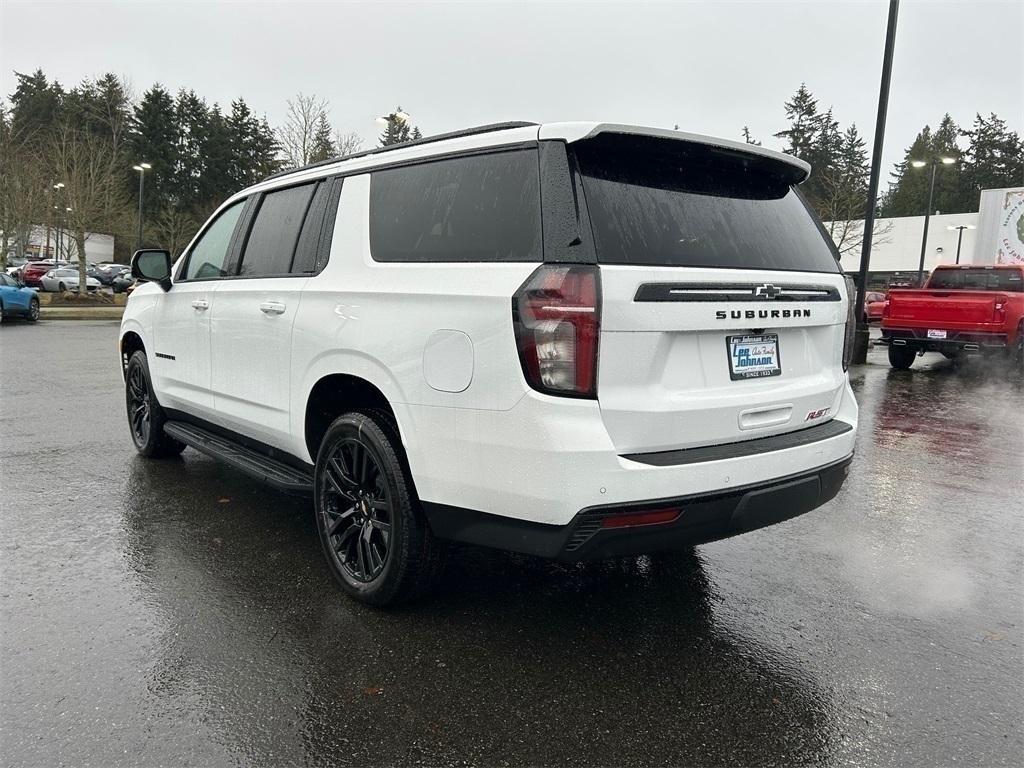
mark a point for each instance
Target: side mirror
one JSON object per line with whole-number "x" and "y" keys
{"x": 154, "y": 265}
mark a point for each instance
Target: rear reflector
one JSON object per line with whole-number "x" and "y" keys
{"x": 631, "y": 519}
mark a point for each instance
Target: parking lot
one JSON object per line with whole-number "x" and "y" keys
{"x": 176, "y": 613}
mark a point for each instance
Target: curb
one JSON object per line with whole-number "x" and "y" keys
{"x": 80, "y": 313}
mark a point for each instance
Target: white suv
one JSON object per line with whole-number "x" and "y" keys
{"x": 573, "y": 340}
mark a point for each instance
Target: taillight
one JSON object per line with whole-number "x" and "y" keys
{"x": 1000, "y": 313}
{"x": 851, "y": 323}
{"x": 556, "y": 315}
{"x": 885, "y": 309}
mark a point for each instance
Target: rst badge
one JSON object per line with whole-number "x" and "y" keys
{"x": 814, "y": 415}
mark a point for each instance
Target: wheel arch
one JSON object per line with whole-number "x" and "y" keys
{"x": 130, "y": 343}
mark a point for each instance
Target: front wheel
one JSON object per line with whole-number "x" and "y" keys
{"x": 901, "y": 357}
{"x": 145, "y": 417}
{"x": 374, "y": 534}
{"x": 33, "y": 310}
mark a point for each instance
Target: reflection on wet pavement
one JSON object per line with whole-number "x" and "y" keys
{"x": 173, "y": 613}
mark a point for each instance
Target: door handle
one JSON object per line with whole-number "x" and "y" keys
{"x": 200, "y": 304}
{"x": 272, "y": 308}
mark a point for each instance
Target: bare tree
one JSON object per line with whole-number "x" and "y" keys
{"x": 842, "y": 209}
{"x": 297, "y": 135}
{"x": 347, "y": 143}
{"x": 90, "y": 168}
{"x": 23, "y": 191}
{"x": 172, "y": 229}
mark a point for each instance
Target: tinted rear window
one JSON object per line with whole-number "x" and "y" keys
{"x": 477, "y": 208}
{"x": 275, "y": 232}
{"x": 661, "y": 202}
{"x": 977, "y": 280}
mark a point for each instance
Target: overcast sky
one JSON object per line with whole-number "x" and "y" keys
{"x": 710, "y": 67}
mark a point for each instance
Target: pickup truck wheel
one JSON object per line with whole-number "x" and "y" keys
{"x": 145, "y": 417}
{"x": 376, "y": 540}
{"x": 901, "y": 357}
{"x": 1017, "y": 355}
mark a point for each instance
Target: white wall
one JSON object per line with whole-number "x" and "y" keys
{"x": 98, "y": 247}
{"x": 899, "y": 249}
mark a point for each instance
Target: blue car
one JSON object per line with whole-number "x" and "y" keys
{"x": 16, "y": 299}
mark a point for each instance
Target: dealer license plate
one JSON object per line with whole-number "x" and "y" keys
{"x": 936, "y": 334}
{"x": 751, "y": 357}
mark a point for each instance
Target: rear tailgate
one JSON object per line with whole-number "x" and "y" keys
{"x": 946, "y": 310}
{"x": 723, "y": 308}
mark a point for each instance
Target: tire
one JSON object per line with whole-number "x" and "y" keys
{"x": 33, "y": 310}
{"x": 145, "y": 417}
{"x": 1017, "y": 351}
{"x": 62, "y": 288}
{"x": 375, "y": 537}
{"x": 901, "y": 357}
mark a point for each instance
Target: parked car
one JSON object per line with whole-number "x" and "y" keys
{"x": 460, "y": 339}
{"x": 66, "y": 279}
{"x": 963, "y": 309}
{"x": 17, "y": 299}
{"x": 109, "y": 271}
{"x": 32, "y": 273}
{"x": 874, "y": 304}
{"x": 14, "y": 265}
{"x": 123, "y": 283}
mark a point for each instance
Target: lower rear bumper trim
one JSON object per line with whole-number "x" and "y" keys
{"x": 704, "y": 517}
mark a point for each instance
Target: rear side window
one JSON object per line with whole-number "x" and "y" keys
{"x": 275, "y": 232}
{"x": 668, "y": 203}
{"x": 208, "y": 256}
{"x": 977, "y": 280}
{"x": 477, "y": 208}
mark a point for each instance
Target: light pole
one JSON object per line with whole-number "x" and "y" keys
{"x": 141, "y": 168}
{"x": 58, "y": 186}
{"x": 928, "y": 211}
{"x": 862, "y": 337}
{"x": 960, "y": 237}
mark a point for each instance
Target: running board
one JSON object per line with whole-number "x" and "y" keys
{"x": 276, "y": 473}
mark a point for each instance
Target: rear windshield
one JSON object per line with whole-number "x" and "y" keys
{"x": 662, "y": 202}
{"x": 977, "y": 280}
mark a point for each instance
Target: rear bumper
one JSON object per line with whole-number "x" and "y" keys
{"x": 702, "y": 518}
{"x": 546, "y": 459}
{"x": 956, "y": 341}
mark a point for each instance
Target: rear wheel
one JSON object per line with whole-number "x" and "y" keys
{"x": 901, "y": 357}
{"x": 1017, "y": 351}
{"x": 145, "y": 417}
{"x": 372, "y": 529}
{"x": 62, "y": 288}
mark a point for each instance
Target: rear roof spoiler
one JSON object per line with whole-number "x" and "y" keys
{"x": 571, "y": 132}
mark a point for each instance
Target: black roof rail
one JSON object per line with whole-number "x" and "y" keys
{"x": 414, "y": 143}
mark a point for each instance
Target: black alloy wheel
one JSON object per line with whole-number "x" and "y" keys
{"x": 375, "y": 537}
{"x": 145, "y": 417}
{"x": 358, "y": 509}
{"x": 137, "y": 396}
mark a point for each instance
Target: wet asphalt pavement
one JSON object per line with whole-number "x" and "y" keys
{"x": 176, "y": 613}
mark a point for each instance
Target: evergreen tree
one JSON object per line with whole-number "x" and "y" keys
{"x": 323, "y": 145}
{"x": 154, "y": 140}
{"x": 35, "y": 105}
{"x": 416, "y": 134}
{"x": 192, "y": 118}
{"x": 216, "y": 183}
{"x": 397, "y": 129}
{"x": 908, "y": 192}
{"x": 995, "y": 157}
{"x": 747, "y": 137}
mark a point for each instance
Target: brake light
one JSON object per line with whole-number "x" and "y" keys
{"x": 851, "y": 323}
{"x": 631, "y": 519}
{"x": 1000, "y": 313}
{"x": 556, "y": 315}
{"x": 885, "y": 309}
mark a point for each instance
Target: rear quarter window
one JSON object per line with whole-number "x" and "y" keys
{"x": 669, "y": 203}
{"x": 479, "y": 208}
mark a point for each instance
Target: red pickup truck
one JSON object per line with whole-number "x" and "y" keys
{"x": 961, "y": 310}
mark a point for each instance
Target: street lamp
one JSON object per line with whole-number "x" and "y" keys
{"x": 928, "y": 211}
{"x": 58, "y": 186}
{"x": 960, "y": 237}
{"x": 141, "y": 168}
